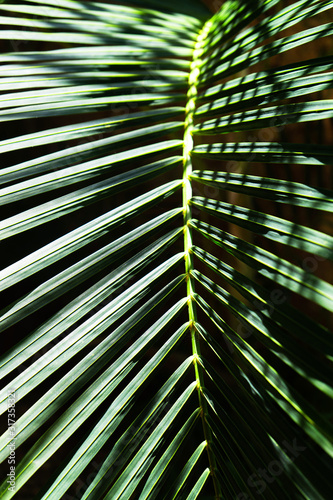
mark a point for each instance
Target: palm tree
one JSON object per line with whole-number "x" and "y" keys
{"x": 166, "y": 290}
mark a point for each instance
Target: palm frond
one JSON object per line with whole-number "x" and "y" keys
{"x": 166, "y": 279}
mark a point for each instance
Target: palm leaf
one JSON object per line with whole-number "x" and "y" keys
{"x": 166, "y": 280}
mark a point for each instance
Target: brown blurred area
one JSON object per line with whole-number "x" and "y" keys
{"x": 317, "y": 132}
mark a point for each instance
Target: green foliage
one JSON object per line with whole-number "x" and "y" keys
{"x": 165, "y": 280}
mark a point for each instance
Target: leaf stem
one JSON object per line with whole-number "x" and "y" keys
{"x": 187, "y": 211}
